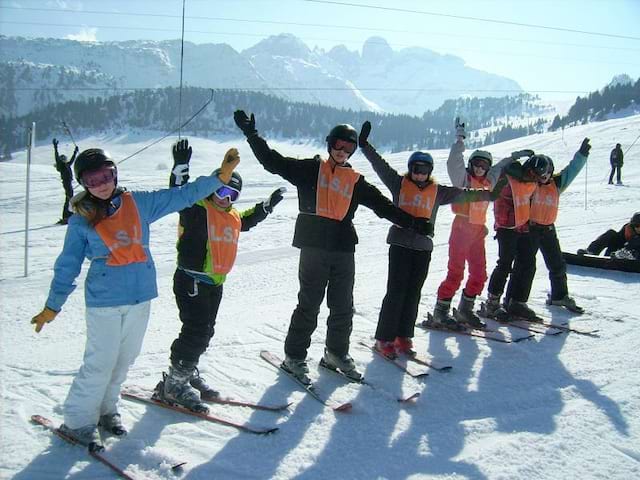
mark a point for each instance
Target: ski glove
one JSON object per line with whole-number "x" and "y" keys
{"x": 585, "y": 147}
{"x": 55, "y": 142}
{"x": 244, "y": 123}
{"x": 422, "y": 226}
{"x": 231, "y": 161}
{"x": 364, "y": 134}
{"x": 181, "y": 157}
{"x": 460, "y": 131}
{"x": 522, "y": 153}
{"x": 274, "y": 199}
{"x": 45, "y": 316}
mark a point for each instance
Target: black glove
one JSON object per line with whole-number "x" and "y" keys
{"x": 522, "y": 153}
{"x": 55, "y": 142}
{"x": 422, "y": 226}
{"x": 364, "y": 134}
{"x": 585, "y": 147}
{"x": 181, "y": 157}
{"x": 244, "y": 123}
{"x": 274, "y": 199}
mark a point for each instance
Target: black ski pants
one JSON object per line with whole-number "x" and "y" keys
{"x": 517, "y": 258}
{"x": 407, "y": 272}
{"x": 198, "y": 303}
{"x": 547, "y": 240}
{"x": 68, "y": 192}
{"x": 321, "y": 270}
{"x": 611, "y": 240}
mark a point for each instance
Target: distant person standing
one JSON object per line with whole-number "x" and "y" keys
{"x": 64, "y": 167}
{"x": 616, "y": 160}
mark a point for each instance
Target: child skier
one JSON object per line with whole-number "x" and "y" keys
{"x": 111, "y": 229}
{"x": 207, "y": 247}
{"x": 468, "y": 232}
{"x": 417, "y": 193}
{"x": 329, "y": 192}
{"x": 544, "y": 211}
{"x": 626, "y": 241}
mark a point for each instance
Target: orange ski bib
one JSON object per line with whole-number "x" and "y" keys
{"x": 122, "y": 234}
{"x": 416, "y": 202}
{"x": 334, "y": 190}
{"x": 223, "y": 231}
{"x": 522, "y": 192}
{"x": 544, "y": 204}
{"x": 475, "y": 211}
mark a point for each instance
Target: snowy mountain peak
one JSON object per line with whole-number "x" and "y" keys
{"x": 283, "y": 45}
{"x": 375, "y": 50}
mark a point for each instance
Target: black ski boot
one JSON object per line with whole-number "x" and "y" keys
{"x": 521, "y": 309}
{"x": 112, "y": 423}
{"x": 441, "y": 318}
{"x": 465, "y": 314}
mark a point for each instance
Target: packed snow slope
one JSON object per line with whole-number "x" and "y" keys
{"x": 565, "y": 406}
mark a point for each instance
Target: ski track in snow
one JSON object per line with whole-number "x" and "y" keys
{"x": 539, "y": 409}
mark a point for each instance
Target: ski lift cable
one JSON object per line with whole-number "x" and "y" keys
{"x": 179, "y": 127}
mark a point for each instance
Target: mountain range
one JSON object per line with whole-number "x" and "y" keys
{"x": 36, "y": 72}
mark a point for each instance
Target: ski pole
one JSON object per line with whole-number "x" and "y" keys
{"x": 66, "y": 128}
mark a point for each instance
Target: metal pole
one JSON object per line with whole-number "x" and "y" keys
{"x": 586, "y": 175}
{"x": 32, "y": 137}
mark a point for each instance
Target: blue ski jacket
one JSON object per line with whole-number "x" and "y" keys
{"x": 109, "y": 286}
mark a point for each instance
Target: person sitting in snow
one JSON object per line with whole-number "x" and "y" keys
{"x": 416, "y": 192}
{"x": 623, "y": 244}
{"x": 544, "y": 211}
{"x": 207, "y": 248}
{"x": 111, "y": 229}
{"x": 329, "y": 192}
{"x": 64, "y": 167}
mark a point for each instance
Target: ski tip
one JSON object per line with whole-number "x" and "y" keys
{"x": 345, "y": 407}
{"x": 410, "y": 398}
{"x": 177, "y": 466}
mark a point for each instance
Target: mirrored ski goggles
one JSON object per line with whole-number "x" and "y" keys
{"x": 227, "y": 191}
{"x": 97, "y": 178}
{"x": 421, "y": 168}
{"x": 343, "y": 145}
{"x": 480, "y": 163}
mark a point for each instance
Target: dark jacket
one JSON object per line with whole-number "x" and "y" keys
{"x": 312, "y": 230}
{"x": 616, "y": 158}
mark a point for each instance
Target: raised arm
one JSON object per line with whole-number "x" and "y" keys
{"x": 387, "y": 174}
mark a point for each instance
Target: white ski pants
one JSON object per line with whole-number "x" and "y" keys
{"x": 114, "y": 340}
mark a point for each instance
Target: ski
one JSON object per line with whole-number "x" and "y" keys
{"x": 273, "y": 360}
{"x": 128, "y": 395}
{"x": 565, "y": 328}
{"x": 428, "y": 363}
{"x": 486, "y": 334}
{"x": 398, "y": 363}
{"x": 97, "y": 455}
{"x": 521, "y": 323}
{"x": 577, "y": 309}
{"x": 369, "y": 384}
{"x": 241, "y": 403}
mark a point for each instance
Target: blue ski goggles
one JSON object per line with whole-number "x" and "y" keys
{"x": 227, "y": 191}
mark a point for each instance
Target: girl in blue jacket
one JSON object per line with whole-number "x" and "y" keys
{"x": 111, "y": 230}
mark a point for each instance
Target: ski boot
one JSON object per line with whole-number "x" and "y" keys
{"x": 567, "y": 302}
{"x": 344, "y": 363}
{"x": 521, "y": 309}
{"x": 206, "y": 392}
{"x": 492, "y": 308}
{"x": 441, "y": 318}
{"x": 175, "y": 389}
{"x": 87, "y": 436}
{"x": 464, "y": 313}
{"x": 112, "y": 423}
{"x": 404, "y": 345}
{"x": 298, "y": 368}
{"x": 386, "y": 348}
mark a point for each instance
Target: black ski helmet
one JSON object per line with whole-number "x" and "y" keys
{"x": 345, "y": 132}
{"x": 635, "y": 219}
{"x": 92, "y": 159}
{"x": 539, "y": 164}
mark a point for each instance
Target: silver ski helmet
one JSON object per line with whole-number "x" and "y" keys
{"x": 93, "y": 159}
{"x": 480, "y": 156}
{"x": 541, "y": 166}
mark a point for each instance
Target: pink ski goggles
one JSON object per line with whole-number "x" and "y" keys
{"x": 99, "y": 177}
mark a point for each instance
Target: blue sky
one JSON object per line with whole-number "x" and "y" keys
{"x": 541, "y": 60}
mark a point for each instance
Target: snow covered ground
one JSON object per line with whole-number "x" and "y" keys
{"x": 565, "y": 406}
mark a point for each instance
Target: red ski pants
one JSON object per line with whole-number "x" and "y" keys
{"x": 466, "y": 244}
